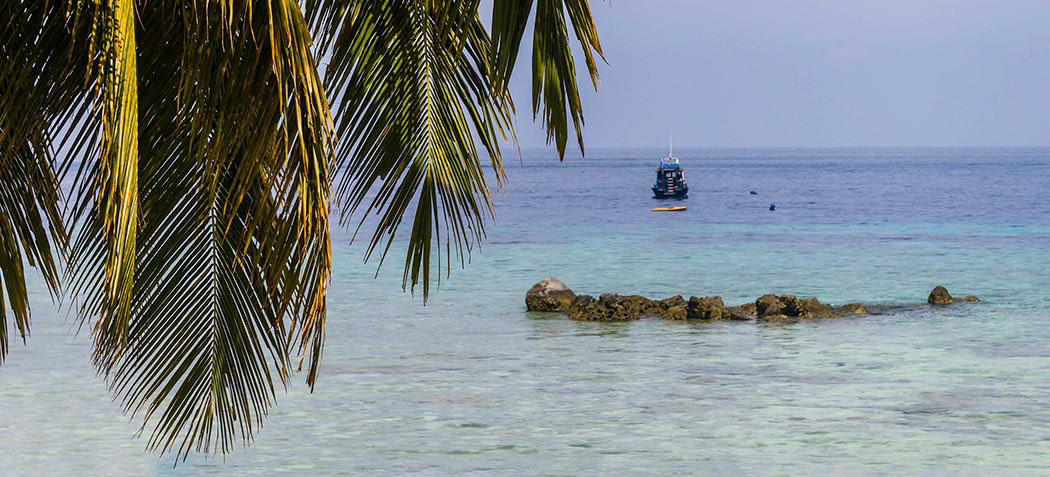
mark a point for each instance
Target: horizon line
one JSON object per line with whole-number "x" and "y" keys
{"x": 592, "y": 147}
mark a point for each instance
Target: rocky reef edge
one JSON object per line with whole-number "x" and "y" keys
{"x": 552, "y": 295}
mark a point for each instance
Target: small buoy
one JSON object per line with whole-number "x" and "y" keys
{"x": 754, "y": 193}
{"x": 772, "y": 207}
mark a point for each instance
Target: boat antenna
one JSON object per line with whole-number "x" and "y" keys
{"x": 670, "y": 152}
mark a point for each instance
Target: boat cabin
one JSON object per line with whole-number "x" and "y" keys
{"x": 670, "y": 179}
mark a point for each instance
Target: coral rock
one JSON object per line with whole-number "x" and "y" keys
{"x": 549, "y": 294}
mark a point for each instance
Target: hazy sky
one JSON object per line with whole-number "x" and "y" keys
{"x": 815, "y": 73}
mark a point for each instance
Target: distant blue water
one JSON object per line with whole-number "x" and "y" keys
{"x": 473, "y": 384}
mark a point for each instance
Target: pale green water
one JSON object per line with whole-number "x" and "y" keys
{"x": 473, "y": 384}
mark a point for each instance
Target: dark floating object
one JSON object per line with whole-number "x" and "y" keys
{"x": 754, "y": 193}
{"x": 772, "y": 207}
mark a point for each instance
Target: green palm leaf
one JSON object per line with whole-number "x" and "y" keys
{"x": 203, "y": 145}
{"x": 107, "y": 197}
{"x": 38, "y": 87}
{"x": 412, "y": 83}
{"x": 554, "y": 88}
{"x": 416, "y": 84}
{"x": 230, "y": 251}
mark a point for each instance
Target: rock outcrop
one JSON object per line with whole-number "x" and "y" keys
{"x": 616, "y": 308}
{"x": 549, "y": 294}
{"x": 854, "y": 308}
{"x": 708, "y": 308}
{"x": 939, "y": 296}
{"x": 613, "y": 307}
{"x": 587, "y": 308}
{"x": 677, "y": 312}
{"x": 791, "y": 307}
{"x": 553, "y": 295}
{"x": 676, "y": 300}
{"x": 608, "y": 307}
{"x": 670, "y": 308}
{"x": 640, "y": 305}
{"x": 747, "y": 308}
{"x": 743, "y": 312}
{"x": 767, "y": 305}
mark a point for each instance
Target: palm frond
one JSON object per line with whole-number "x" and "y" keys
{"x": 554, "y": 88}
{"x": 106, "y": 201}
{"x": 416, "y": 84}
{"x": 203, "y": 146}
{"x": 230, "y": 250}
{"x": 413, "y": 87}
{"x": 36, "y": 85}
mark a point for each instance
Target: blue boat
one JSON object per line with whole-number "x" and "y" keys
{"x": 670, "y": 179}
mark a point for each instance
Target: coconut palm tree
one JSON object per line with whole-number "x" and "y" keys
{"x": 207, "y": 142}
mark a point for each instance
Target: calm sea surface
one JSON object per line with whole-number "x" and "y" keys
{"x": 473, "y": 384}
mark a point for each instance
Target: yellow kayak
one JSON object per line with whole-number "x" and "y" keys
{"x": 670, "y": 209}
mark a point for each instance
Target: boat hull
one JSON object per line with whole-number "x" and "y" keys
{"x": 677, "y": 194}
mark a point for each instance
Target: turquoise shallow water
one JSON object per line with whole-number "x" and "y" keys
{"x": 472, "y": 383}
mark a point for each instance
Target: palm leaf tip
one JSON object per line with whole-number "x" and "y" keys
{"x": 555, "y": 93}
{"x": 417, "y": 79}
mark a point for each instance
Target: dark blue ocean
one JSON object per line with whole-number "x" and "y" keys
{"x": 471, "y": 383}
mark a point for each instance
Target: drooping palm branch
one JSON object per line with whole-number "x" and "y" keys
{"x": 203, "y": 157}
{"x": 413, "y": 81}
